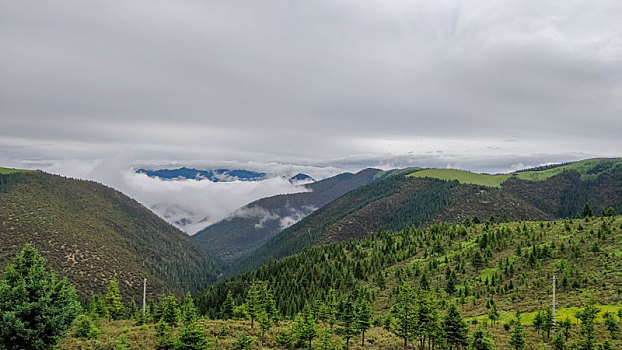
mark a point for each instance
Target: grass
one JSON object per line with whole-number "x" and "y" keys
{"x": 561, "y": 314}
{"x": 462, "y": 176}
{"x": 386, "y": 173}
{"x": 13, "y": 171}
{"x": 587, "y": 168}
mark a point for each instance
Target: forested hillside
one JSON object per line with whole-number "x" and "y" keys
{"x": 91, "y": 233}
{"x": 490, "y": 270}
{"x": 260, "y": 220}
{"x": 446, "y": 195}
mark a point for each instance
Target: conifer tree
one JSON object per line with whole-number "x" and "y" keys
{"x": 587, "y": 315}
{"x": 228, "y": 306}
{"x": 517, "y": 338}
{"x": 168, "y": 310}
{"x": 192, "y": 337}
{"x": 304, "y": 326}
{"x": 114, "y": 307}
{"x": 404, "y": 321}
{"x": 493, "y": 313}
{"x": 163, "y": 335}
{"x": 330, "y": 308}
{"x": 547, "y": 322}
{"x": 454, "y": 328}
{"x": 364, "y": 317}
{"x": 347, "y": 320}
{"x": 86, "y": 328}
{"x": 587, "y": 211}
{"x": 481, "y": 340}
{"x": 97, "y": 307}
{"x": 265, "y": 322}
{"x": 254, "y": 303}
{"x": 559, "y": 343}
{"x": 189, "y": 312}
{"x": 270, "y": 305}
{"x": 36, "y": 308}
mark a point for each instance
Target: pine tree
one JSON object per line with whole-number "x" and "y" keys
{"x": 36, "y": 308}
{"x": 404, "y": 321}
{"x": 192, "y": 337}
{"x": 547, "y": 322}
{"x": 265, "y": 322}
{"x": 493, "y": 313}
{"x": 587, "y": 315}
{"x": 86, "y": 328}
{"x": 304, "y": 327}
{"x": 253, "y": 302}
{"x": 228, "y": 306}
{"x": 454, "y": 328}
{"x": 559, "y": 343}
{"x": 168, "y": 310}
{"x": 481, "y": 340}
{"x": 517, "y": 338}
{"x": 587, "y": 211}
{"x": 270, "y": 305}
{"x": 330, "y": 308}
{"x": 97, "y": 307}
{"x": 189, "y": 312}
{"x": 347, "y": 320}
{"x": 612, "y": 325}
{"x": 163, "y": 334}
{"x": 114, "y": 307}
{"x": 364, "y": 316}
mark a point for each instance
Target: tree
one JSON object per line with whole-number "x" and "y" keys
{"x": 538, "y": 321}
{"x": 587, "y": 315}
{"x": 364, "y": 315}
{"x": 566, "y": 325}
{"x": 228, "y": 306}
{"x": 559, "y": 343}
{"x": 548, "y": 323}
{"x": 481, "y": 340}
{"x": 493, "y": 313}
{"x": 189, "y": 312}
{"x": 587, "y": 211}
{"x": 168, "y": 310}
{"x": 612, "y": 325}
{"x": 347, "y": 320}
{"x": 270, "y": 305}
{"x": 304, "y": 326}
{"x": 265, "y": 323}
{"x": 404, "y": 321}
{"x": 163, "y": 334}
{"x": 454, "y": 328}
{"x": 114, "y": 307}
{"x": 36, "y": 308}
{"x": 192, "y": 337}
{"x": 86, "y": 328}
{"x": 97, "y": 307}
{"x": 517, "y": 338}
{"x": 253, "y": 302}
{"x": 330, "y": 309}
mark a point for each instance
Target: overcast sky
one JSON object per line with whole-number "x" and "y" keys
{"x": 482, "y": 85}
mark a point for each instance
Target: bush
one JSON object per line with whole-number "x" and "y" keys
{"x": 192, "y": 337}
{"x": 243, "y": 342}
{"x": 86, "y": 328}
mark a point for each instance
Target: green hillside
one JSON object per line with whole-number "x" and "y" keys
{"x": 91, "y": 233}
{"x": 465, "y": 177}
{"x": 395, "y": 202}
{"x": 13, "y": 171}
{"x": 512, "y": 263}
{"x": 589, "y": 168}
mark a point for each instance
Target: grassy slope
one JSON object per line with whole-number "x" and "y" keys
{"x": 588, "y": 169}
{"x": 13, "y": 171}
{"x": 90, "y": 233}
{"x": 462, "y": 176}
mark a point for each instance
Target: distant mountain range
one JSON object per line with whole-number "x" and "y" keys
{"x": 258, "y": 221}
{"x": 419, "y": 197}
{"x": 215, "y": 175}
{"x": 91, "y": 233}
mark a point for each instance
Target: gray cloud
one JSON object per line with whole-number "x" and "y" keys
{"x": 346, "y": 84}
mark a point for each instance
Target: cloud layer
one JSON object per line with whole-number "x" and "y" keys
{"x": 312, "y": 82}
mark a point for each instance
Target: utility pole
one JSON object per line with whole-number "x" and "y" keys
{"x": 145, "y": 296}
{"x": 553, "y": 301}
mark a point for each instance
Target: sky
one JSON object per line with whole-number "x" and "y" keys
{"x": 325, "y": 86}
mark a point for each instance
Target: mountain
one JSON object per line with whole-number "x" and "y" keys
{"x": 215, "y": 175}
{"x": 301, "y": 178}
{"x": 421, "y": 197}
{"x": 91, "y": 233}
{"x": 258, "y": 221}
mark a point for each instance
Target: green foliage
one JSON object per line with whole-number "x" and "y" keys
{"x": 404, "y": 317}
{"x": 587, "y": 316}
{"x": 192, "y": 337}
{"x": 254, "y": 303}
{"x": 304, "y": 327}
{"x": 454, "y": 328}
{"x": 114, "y": 307}
{"x": 481, "y": 340}
{"x": 364, "y": 314}
{"x": 228, "y": 306}
{"x": 347, "y": 320}
{"x": 163, "y": 333}
{"x": 168, "y": 310}
{"x": 189, "y": 312}
{"x": 85, "y": 328}
{"x": 36, "y": 307}
{"x": 517, "y": 338}
{"x": 587, "y": 211}
{"x": 97, "y": 307}
{"x": 122, "y": 343}
{"x": 243, "y": 342}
